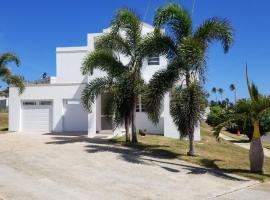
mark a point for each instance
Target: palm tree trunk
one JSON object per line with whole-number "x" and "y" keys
{"x": 256, "y": 154}
{"x": 127, "y": 129}
{"x": 134, "y": 138}
{"x": 235, "y": 96}
{"x": 191, "y": 151}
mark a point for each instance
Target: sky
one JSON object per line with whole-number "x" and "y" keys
{"x": 34, "y": 28}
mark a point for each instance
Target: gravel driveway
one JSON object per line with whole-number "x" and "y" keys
{"x": 34, "y": 166}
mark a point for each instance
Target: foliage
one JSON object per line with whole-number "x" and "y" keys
{"x": 187, "y": 107}
{"x": 123, "y": 82}
{"x": 5, "y": 73}
{"x": 216, "y": 115}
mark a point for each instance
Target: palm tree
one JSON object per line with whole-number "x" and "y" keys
{"x": 124, "y": 82}
{"x": 186, "y": 49}
{"x": 233, "y": 89}
{"x": 5, "y": 73}
{"x": 220, "y": 91}
{"x": 251, "y": 110}
{"x": 214, "y": 91}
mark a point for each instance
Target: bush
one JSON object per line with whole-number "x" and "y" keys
{"x": 216, "y": 115}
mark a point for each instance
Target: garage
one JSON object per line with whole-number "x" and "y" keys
{"x": 36, "y": 116}
{"x": 75, "y": 118}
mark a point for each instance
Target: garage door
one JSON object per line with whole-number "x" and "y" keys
{"x": 75, "y": 118}
{"x": 36, "y": 116}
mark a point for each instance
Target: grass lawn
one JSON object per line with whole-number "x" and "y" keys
{"x": 222, "y": 155}
{"x": 3, "y": 122}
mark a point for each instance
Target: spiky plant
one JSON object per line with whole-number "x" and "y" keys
{"x": 5, "y": 73}
{"x": 123, "y": 82}
{"x": 186, "y": 49}
{"x": 250, "y": 110}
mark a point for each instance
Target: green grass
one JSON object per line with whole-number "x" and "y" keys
{"x": 3, "y": 122}
{"x": 222, "y": 155}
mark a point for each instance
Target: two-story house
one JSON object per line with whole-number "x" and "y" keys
{"x": 55, "y": 106}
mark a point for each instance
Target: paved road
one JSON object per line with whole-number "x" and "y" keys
{"x": 266, "y": 138}
{"x": 76, "y": 167}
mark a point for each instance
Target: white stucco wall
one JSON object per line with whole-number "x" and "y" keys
{"x": 68, "y": 64}
{"x": 66, "y": 85}
{"x": 57, "y": 93}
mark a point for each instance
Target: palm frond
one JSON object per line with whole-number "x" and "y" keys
{"x": 157, "y": 44}
{"x": 4, "y": 71}
{"x": 104, "y": 60}
{"x": 9, "y": 57}
{"x": 161, "y": 82}
{"x": 129, "y": 22}
{"x": 176, "y": 18}
{"x": 93, "y": 89}
{"x": 16, "y": 81}
{"x": 187, "y": 106}
{"x": 216, "y": 29}
{"x": 113, "y": 42}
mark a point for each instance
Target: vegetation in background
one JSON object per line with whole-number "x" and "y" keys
{"x": 186, "y": 49}
{"x": 6, "y": 75}
{"x": 250, "y": 111}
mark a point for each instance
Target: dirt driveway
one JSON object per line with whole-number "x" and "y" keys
{"x": 34, "y": 166}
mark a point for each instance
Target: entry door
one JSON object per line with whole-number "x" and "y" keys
{"x": 36, "y": 116}
{"x": 106, "y": 117}
{"x": 75, "y": 118}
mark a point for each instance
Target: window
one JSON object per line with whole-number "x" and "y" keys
{"x": 45, "y": 103}
{"x": 140, "y": 105}
{"x": 154, "y": 60}
{"x": 29, "y": 103}
{"x": 73, "y": 102}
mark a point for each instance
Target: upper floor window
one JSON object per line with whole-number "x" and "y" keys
{"x": 154, "y": 60}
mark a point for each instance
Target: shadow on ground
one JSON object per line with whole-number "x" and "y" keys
{"x": 146, "y": 154}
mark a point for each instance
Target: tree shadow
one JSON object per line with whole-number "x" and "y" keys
{"x": 146, "y": 154}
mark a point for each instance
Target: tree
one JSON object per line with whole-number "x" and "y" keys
{"x": 251, "y": 110}
{"x": 188, "y": 104}
{"x": 186, "y": 49}
{"x": 6, "y": 74}
{"x": 214, "y": 91}
{"x": 233, "y": 89}
{"x": 124, "y": 82}
{"x": 220, "y": 91}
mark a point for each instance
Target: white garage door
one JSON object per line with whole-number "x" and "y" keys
{"x": 36, "y": 116}
{"x": 75, "y": 118}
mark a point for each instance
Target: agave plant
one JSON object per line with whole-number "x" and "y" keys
{"x": 251, "y": 110}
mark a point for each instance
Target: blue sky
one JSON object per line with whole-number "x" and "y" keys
{"x": 34, "y": 28}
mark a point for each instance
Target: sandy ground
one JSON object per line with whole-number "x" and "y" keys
{"x": 34, "y": 166}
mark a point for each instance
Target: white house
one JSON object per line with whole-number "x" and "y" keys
{"x": 55, "y": 106}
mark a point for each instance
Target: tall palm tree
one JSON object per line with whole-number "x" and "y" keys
{"x": 5, "y": 73}
{"x": 251, "y": 110}
{"x": 214, "y": 91}
{"x": 186, "y": 49}
{"x": 233, "y": 89}
{"x": 124, "y": 82}
{"x": 220, "y": 91}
